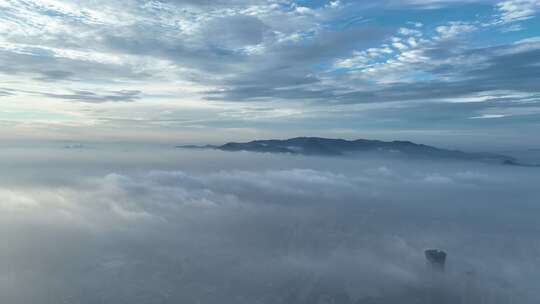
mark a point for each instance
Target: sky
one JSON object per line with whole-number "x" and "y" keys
{"x": 454, "y": 73}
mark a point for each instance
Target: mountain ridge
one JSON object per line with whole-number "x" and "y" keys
{"x": 340, "y": 147}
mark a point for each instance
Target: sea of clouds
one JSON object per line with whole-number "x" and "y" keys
{"x": 163, "y": 225}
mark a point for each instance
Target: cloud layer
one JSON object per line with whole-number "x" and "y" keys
{"x": 321, "y": 230}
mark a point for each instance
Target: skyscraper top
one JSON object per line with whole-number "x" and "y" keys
{"x": 436, "y": 257}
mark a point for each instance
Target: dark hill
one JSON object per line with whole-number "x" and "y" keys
{"x": 339, "y": 147}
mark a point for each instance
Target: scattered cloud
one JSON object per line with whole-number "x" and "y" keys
{"x": 91, "y": 97}
{"x": 517, "y": 10}
{"x": 285, "y": 54}
{"x": 488, "y": 116}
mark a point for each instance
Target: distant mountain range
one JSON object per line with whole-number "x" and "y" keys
{"x": 340, "y": 147}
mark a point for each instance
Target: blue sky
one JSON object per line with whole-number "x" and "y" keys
{"x": 449, "y": 72}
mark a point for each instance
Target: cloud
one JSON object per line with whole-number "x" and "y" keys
{"x": 517, "y": 10}
{"x": 488, "y": 116}
{"x": 212, "y": 3}
{"x": 58, "y": 68}
{"x": 454, "y": 29}
{"x": 4, "y": 92}
{"x": 92, "y": 97}
{"x": 219, "y": 45}
{"x": 235, "y": 31}
{"x": 285, "y": 54}
{"x": 55, "y": 75}
{"x": 338, "y": 229}
{"x": 418, "y": 69}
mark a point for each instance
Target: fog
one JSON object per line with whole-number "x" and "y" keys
{"x": 130, "y": 224}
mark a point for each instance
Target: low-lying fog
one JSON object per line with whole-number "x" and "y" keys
{"x": 163, "y": 225}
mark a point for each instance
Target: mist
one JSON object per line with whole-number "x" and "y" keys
{"x": 125, "y": 224}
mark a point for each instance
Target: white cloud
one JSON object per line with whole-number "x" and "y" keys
{"x": 499, "y": 112}
{"x": 409, "y": 32}
{"x": 185, "y": 52}
{"x": 488, "y": 116}
{"x": 454, "y": 29}
{"x": 169, "y": 234}
{"x": 334, "y": 4}
{"x": 517, "y": 10}
{"x": 304, "y": 10}
{"x": 409, "y": 47}
{"x": 400, "y": 46}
